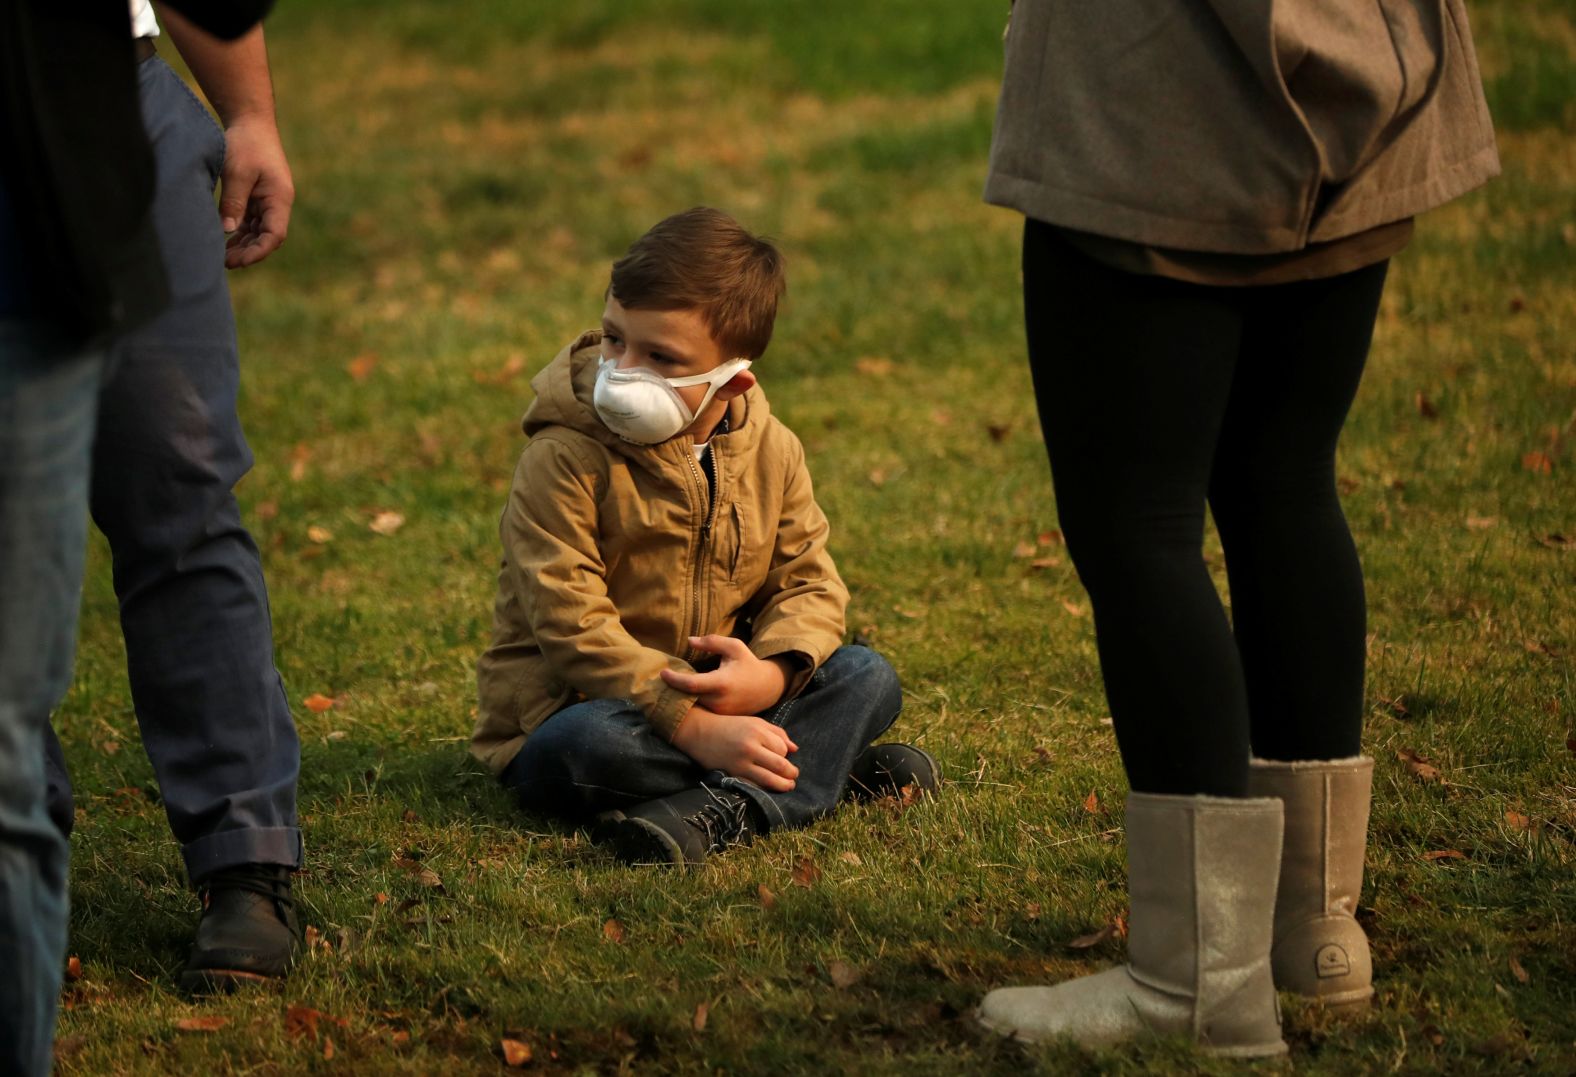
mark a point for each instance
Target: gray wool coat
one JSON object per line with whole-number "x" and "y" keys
{"x": 1239, "y": 126}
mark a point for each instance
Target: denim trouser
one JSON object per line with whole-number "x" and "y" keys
{"x": 193, "y": 607}
{"x": 604, "y": 754}
{"x": 48, "y": 396}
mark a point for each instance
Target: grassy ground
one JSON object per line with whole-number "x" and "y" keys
{"x": 467, "y": 172}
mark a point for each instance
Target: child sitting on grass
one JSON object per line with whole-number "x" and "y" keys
{"x": 667, "y": 645}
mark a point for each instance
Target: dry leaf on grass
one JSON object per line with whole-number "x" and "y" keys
{"x": 613, "y": 931}
{"x": 73, "y": 968}
{"x": 1073, "y": 608}
{"x": 805, "y": 872}
{"x": 998, "y": 431}
{"x": 1419, "y": 766}
{"x": 360, "y": 368}
{"x": 1108, "y": 930}
{"x": 516, "y": 1053}
{"x": 1025, "y": 550}
{"x": 328, "y": 1048}
{"x": 1480, "y": 523}
{"x": 1556, "y": 540}
{"x": 842, "y": 974}
{"x": 1091, "y": 803}
{"x": 208, "y": 1022}
{"x": 874, "y": 366}
{"x": 317, "y": 702}
{"x": 698, "y": 1022}
{"x": 1538, "y": 463}
{"x": 1445, "y": 854}
{"x": 386, "y": 523}
{"x": 1425, "y": 407}
{"x": 768, "y": 899}
{"x": 1518, "y": 971}
{"x": 414, "y": 868}
{"x": 319, "y": 535}
{"x": 1517, "y": 820}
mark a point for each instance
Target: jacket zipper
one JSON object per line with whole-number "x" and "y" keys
{"x": 700, "y": 554}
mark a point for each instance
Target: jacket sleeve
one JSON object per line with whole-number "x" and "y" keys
{"x": 549, "y": 530}
{"x": 800, "y": 608}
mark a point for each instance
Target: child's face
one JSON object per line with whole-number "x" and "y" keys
{"x": 671, "y": 344}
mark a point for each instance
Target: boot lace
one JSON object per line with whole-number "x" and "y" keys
{"x": 268, "y": 882}
{"x": 724, "y": 820}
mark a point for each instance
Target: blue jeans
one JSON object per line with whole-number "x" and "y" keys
{"x": 49, "y": 391}
{"x": 604, "y": 754}
{"x": 193, "y": 606}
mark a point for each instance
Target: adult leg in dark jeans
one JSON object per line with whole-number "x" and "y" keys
{"x": 193, "y": 606}
{"x": 603, "y": 755}
{"x": 48, "y": 395}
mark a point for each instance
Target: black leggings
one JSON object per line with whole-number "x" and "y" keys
{"x": 1156, "y": 395}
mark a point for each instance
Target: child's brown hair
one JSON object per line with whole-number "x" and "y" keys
{"x": 704, "y": 259}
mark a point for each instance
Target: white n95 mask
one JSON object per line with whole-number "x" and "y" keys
{"x": 641, "y": 405}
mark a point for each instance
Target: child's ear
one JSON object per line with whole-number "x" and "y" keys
{"x": 737, "y": 385}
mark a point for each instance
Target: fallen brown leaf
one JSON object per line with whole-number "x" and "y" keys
{"x": 1024, "y": 550}
{"x": 1094, "y": 938}
{"x": 842, "y": 974}
{"x": 1091, "y": 803}
{"x": 1052, "y": 537}
{"x": 516, "y": 1053}
{"x": 328, "y": 1048}
{"x": 208, "y": 1022}
{"x": 1518, "y": 971}
{"x": 698, "y": 1022}
{"x": 1480, "y": 523}
{"x": 409, "y": 815}
{"x": 265, "y": 510}
{"x": 874, "y": 366}
{"x": 1425, "y": 407}
{"x": 805, "y": 872}
{"x": 1445, "y": 854}
{"x": 380, "y": 898}
{"x": 302, "y": 1021}
{"x": 360, "y": 368}
{"x": 998, "y": 431}
{"x": 850, "y": 857}
{"x": 768, "y": 899}
{"x": 319, "y": 535}
{"x": 73, "y": 968}
{"x": 1045, "y": 562}
{"x": 613, "y": 931}
{"x": 386, "y": 523}
{"x": 424, "y": 875}
{"x": 1537, "y": 462}
{"x": 299, "y": 455}
{"x": 1420, "y": 766}
{"x": 1517, "y": 820}
{"x": 1073, "y": 608}
{"x": 317, "y": 702}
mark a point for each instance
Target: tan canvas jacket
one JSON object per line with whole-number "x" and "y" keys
{"x": 614, "y": 554}
{"x": 1237, "y": 126}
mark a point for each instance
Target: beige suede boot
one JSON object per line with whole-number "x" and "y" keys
{"x": 1201, "y": 881}
{"x": 1320, "y": 949}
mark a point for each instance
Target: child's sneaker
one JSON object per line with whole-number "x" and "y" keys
{"x": 680, "y": 829}
{"x": 886, "y": 770}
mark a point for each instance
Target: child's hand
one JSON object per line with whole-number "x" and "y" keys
{"x": 738, "y": 745}
{"x": 742, "y": 684}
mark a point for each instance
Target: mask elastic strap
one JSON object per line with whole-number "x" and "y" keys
{"x": 718, "y": 377}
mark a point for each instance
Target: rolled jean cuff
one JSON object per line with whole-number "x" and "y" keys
{"x": 279, "y": 845}
{"x": 771, "y": 811}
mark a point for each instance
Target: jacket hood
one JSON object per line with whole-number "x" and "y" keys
{"x": 564, "y": 392}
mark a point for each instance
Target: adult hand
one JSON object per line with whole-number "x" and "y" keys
{"x": 255, "y": 191}
{"x": 742, "y": 684}
{"x": 738, "y": 745}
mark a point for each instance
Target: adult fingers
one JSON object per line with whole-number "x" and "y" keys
{"x": 235, "y": 191}
{"x": 266, "y": 232}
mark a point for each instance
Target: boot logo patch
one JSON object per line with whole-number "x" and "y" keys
{"x": 1331, "y": 960}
